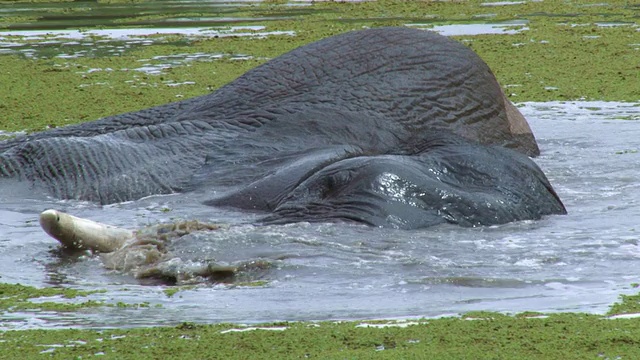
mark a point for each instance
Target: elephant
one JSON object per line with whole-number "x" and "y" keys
{"x": 389, "y": 127}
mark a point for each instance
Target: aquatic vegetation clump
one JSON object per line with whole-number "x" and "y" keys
{"x": 17, "y": 297}
{"x": 149, "y": 256}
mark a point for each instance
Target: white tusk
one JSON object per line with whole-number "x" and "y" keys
{"x": 78, "y": 233}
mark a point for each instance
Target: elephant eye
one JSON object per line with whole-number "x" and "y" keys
{"x": 335, "y": 182}
{"x": 331, "y": 182}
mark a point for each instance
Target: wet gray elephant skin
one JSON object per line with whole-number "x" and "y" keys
{"x": 389, "y": 127}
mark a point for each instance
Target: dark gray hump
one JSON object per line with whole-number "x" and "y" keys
{"x": 417, "y": 78}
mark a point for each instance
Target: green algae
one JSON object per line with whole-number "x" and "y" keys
{"x": 21, "y": 298}
{"x": 252, "y": 284}
{"x": 16, "y": 297}
{"x": 33, "y": 1}
{"x": 474, "y": 335}
{"x": 478, "y": 334}
{"x": 629, "y": 304}
{"x": 173, "y": 290}
{"x": 170, "y": 291}
{"x": 565, "y": 54}
{"x": 626, "y": 151}
{"x": 5, "y": 20}
{"x": 557, "y": 336}
{"x": 46, "y": 93}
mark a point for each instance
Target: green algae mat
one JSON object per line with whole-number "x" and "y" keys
{"x": 488, "y": 336}
{"x": 475, "y": 335}
{"x": 556, "y": 51}
{"x": 559, "y": 51}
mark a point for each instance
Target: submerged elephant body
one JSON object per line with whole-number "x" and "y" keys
{"x": 389, "y": 127}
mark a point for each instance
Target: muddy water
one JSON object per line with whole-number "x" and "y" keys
{"x": 578, "y": 262}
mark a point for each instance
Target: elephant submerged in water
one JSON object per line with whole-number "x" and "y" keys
{"x": 388, "y": 127}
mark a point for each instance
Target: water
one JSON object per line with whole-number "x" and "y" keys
{"x": 507, "y": 27}
{"x": 578, "y": 262}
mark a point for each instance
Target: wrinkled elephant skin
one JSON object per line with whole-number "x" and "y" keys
{"x": 389, "y": 127}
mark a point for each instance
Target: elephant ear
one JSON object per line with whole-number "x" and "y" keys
{"x": 524, "y": 140}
